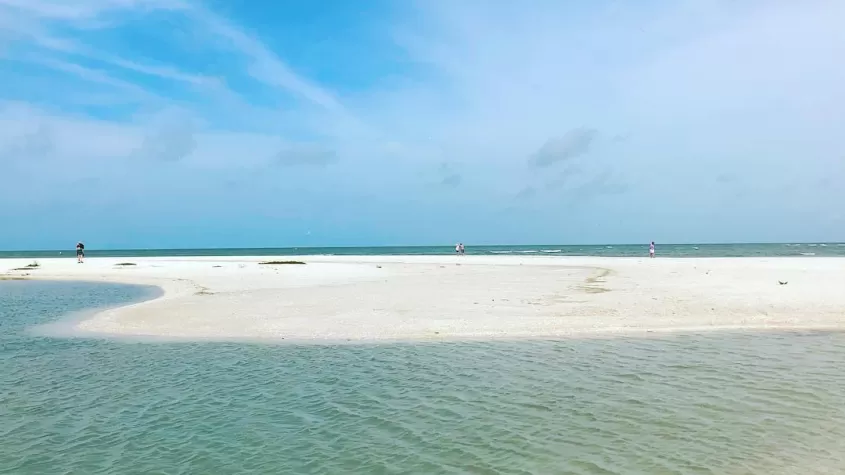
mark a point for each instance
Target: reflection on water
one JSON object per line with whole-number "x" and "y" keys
{"x": 715, "y": 403}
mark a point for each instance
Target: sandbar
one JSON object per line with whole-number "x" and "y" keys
{"x": 413, "y": 298}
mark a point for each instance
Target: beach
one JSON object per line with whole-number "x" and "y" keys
{"x": 396, "y": 298}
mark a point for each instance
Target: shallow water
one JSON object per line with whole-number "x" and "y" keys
{"x": 738, "y": 403}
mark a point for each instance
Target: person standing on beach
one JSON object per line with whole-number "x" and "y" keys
{"x": 462, "y": 249}
{"x": 651, "y": 250}
{"x": 80, "y": 252}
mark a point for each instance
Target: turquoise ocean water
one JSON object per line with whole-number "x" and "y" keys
{"x": 731, "y": 403}
{"x": 619, "y": 250}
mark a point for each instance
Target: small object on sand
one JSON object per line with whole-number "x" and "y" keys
{"x": 781, "y": 282}
{"x": 378, "y": 267}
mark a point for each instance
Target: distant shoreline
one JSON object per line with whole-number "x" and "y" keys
{"x": 581, "y": 250}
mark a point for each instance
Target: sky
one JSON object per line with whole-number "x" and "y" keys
{"x": 191, "y": 123}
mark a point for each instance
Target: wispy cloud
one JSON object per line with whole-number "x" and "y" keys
{"x": 564, "y": 177}
{"x": 574, "y": 143}
{"x": 448, "y": 176}
{"x": 30, "y": 145}
{"x": 99, "y": 77}
{"x": 165, "y": 72}
{"x": 526, "y": 193}
{"x": 84, "y": 9}
{"x": 169, "y": 144}
{"x": 264, "y": 64}
{"x": 726, "y": 178}
{"x": 311, "y": 155}
{"x": 605, "y": 183}
{"x": 52, "y": 19}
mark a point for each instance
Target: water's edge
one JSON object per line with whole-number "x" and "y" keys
{"x": 616, "y": 250}
{"x": 67, "y": 325}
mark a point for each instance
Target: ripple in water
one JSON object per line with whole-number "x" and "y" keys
{"x": 765, "y": 403}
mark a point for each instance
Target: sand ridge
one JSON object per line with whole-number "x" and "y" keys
{"x": 348, "y": 298}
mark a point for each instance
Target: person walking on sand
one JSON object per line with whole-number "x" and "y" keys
{"x": 80, "y": 252}
{"x": 462, "y": 249}
{"x": 651, "y": 250}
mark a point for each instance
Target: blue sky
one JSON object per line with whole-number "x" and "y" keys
{"x": 183, "y": 123}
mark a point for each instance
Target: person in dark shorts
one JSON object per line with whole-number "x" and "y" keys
{"x": 80, "y": 252}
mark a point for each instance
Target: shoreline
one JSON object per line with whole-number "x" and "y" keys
{"x": 686, "y": 250}
{"x": 380, "y": 299}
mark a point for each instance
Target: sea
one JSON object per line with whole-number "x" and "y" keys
{"x": 827, "y": 249}
{"x": 715, "y": 403}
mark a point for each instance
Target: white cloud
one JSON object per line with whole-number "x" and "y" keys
{"x": 83, "y": 9}
{"x": 164, "y": 72}
{"x": 97, "y": 76}
{"x": 697, "y": 89}
{"x": 211, "y": 111}
{"x": 309, "y": 155}
{"x": 572, "y": 144}
{"x": 264, "y": 66}
{"x": 71, "y": 137}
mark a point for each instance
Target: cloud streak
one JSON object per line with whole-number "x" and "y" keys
{"x": 264, "y": 65}
{"x": 170, "y": 144}
{"x": 564, "y": 177}
{"x": 30, "y": 145}
{"x": 449, "y": 178}
{"x": 526, "y": 193}
{"x": 572, "y": 144}
{"x": 308, "y": 155}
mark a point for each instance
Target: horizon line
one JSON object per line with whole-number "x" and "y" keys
{"x": 420, "y": 246}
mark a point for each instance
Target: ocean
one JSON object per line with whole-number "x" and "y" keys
{"x": 721, "y": 403}
{"x": 619, "y": 250}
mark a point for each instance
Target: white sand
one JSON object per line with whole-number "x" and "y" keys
{"x": 450, "y": 297}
